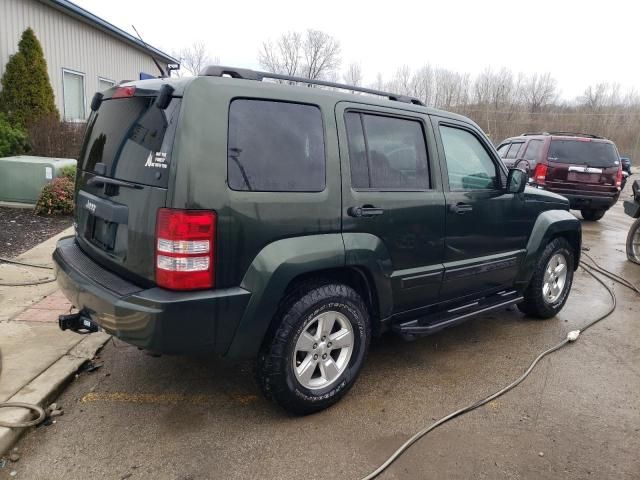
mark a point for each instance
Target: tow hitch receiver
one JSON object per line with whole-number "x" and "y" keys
{"x": 77, "y": 322}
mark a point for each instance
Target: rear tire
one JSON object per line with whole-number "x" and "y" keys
{"x": 633, "y": 242}
{"x": 316, "y": 352}
{"x": 550, "y": 285}
{"x": 592, "y": 214}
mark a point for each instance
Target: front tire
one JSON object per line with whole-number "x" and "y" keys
{"x": 551, "y": 282}
{"x": 315, "y": 354}
{"x": 592, "y": 214}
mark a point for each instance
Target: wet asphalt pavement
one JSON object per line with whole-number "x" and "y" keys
{"x": 577, "y": 416}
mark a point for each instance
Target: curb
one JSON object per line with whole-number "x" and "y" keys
{"x": 47, "y": 385}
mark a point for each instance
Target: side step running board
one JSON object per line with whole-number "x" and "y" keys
{"x": 454, "y": 316}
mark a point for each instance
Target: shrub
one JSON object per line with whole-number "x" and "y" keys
{"x": 69, "y": 172}
{"x": 27, "y": 94}
{"x": 56, "y": 197}
{"x": 49, "y": 137}
{"x": 13, "y": 141}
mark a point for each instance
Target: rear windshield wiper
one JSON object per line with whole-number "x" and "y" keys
{"x": 99, "y": 181}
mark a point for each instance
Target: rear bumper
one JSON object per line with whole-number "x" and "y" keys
{"x": 579, "y": 200}
{"x": 159, "y": 320}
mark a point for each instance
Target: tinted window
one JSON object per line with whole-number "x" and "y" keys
{"x": 386, "y": 152}
{"x": 580, "y": 152}
{"x": 469, "y": 166}
{"x": 275, "y": 147}
{"x": 502, "y": 149}
{"x": 513, "y": 151}
{"x": 533, "y": 150}
{"x": 129, "y": 136}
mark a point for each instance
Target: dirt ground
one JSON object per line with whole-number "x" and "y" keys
{"x": 577, "y": 416}
{"x": 21, "y": 229}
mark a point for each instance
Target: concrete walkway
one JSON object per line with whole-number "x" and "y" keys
{"x": 37, "y": 358}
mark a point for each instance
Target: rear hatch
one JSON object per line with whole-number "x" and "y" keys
{"x": 583, "y": 164}
{"x": 123, "y": 178}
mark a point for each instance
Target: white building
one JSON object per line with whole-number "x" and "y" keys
{"x": 84, "y": 53}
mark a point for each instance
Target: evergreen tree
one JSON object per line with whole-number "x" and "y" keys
{"x": 27, "y": 94}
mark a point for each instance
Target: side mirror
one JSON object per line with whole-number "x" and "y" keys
{"x": 516, "y": 180}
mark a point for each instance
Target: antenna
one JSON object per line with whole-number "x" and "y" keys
{"x": 162, "y": 72}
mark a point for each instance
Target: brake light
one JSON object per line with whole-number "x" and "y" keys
{"x": 540, "y": 174}
{"x": 124, "y": 92}
{"x": 185, "y": 249}
{"x": 619, "y": 177}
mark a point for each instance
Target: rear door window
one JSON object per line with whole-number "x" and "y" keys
{"x": 275, "y": 147}
{"x": 132, "y": 138}
{"x": 584, "y": 152}
{"x": 514, "y": 150}
{"x": 532, "y": 152}
{"x": 386, "y": 153}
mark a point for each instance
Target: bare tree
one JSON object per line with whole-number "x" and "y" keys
{"x": 379, "y": 83}
{"x": 353, "y": 74}
{"x": 401, "y": 81}
{"x": 422, "y": 84}
{"x": 283, "y": 56}
{"x": 451, "y": 89}
{"x": 594, "y": 97}
{"x": 314, "y": 54}
{"x": 538, "y": 91}
{"x": 321, "y": 53}
{"x": 194, "y": 58}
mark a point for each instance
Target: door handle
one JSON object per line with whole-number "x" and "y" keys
{"x": 461, "y": 208}
{"x": 364, "y": 211}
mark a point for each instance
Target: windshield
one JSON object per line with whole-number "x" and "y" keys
{"x": 578, "y": 152}
{"x": 129, "y": 136}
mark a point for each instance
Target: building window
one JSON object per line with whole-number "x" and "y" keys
{"x": 104, "y": 84}
{"x": 73, "y": 93}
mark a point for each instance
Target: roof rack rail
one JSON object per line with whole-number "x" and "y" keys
{"x": 562, "y": 134}
{"x": 575, "y": 134}
{"x": 248, "y": 74}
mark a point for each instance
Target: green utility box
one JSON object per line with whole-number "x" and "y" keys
{"x": 22, "y": 177}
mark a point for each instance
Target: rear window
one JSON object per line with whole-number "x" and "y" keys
{"x": 132, "y": 138}
{"x": 593, "y": 154}
{"x": 275, "y": 147}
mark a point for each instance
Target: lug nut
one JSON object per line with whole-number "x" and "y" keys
{"x": 324, "y": 356}
{"x": 315, "y": 357}
{"x": 324, "y": 338}
{"x": 329, "y": 344}
{"x": 315, "y": 345}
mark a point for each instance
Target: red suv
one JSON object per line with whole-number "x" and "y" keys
{"x": 584, "y": 168}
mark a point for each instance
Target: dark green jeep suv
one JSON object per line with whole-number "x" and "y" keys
{"x": 229, "y": 214}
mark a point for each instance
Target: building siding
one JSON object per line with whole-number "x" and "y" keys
{"x": 71, "y": 44}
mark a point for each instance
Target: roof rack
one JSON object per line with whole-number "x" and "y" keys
{"x": 574, "y": 134}
{"x": 248, "y": 74}
{"x": 562, "y": 134}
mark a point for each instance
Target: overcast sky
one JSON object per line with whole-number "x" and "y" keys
{"x": 579, "y": 42}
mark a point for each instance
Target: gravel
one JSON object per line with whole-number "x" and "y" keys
{"x": 21, "y": 229}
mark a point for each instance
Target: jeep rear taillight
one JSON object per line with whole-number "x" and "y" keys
{"x": 619, "y": 177}
{"x": 540, "y": 174}
{"x": 185, "y": 249}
